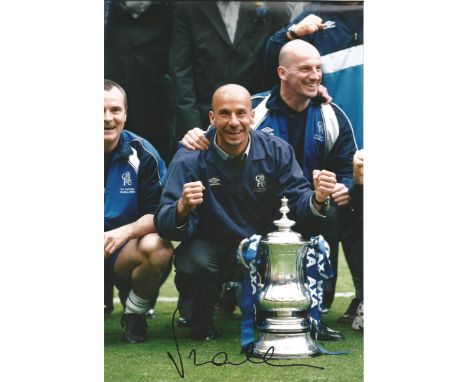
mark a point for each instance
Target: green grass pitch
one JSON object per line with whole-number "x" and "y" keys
{"x": 150, "y": 362}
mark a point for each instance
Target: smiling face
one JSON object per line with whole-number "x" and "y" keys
{"x": 232, "y": 116}
{"x": 300, "y": 71}
{"x": 115, "y": 116}
{"x": 305, "y": 75}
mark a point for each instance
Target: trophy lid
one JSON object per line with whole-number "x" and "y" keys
{"x": 284, "y": 234}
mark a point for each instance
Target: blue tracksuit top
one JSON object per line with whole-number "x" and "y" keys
{"x": 328, "y": 139}
{"x": 133, "y": 182}
{"x": 240, "y": 199}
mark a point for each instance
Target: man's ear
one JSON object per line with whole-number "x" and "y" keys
{"x": 282, "y": 72}
{"x": 252, "y": 116}
{"x": 211, "y": 117}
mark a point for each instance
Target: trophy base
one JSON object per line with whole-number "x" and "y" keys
{"x": 284, "y": 325}
{"x": 285, "y": 346}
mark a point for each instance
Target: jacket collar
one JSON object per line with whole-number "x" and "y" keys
{"x": 244, "y": 22}
{"x": 123, "y": 149}
{"x": 275, "y": 101}
{"x": 256, "y": 151}
{"x": 247, "y": 16}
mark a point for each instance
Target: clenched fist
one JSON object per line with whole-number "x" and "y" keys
{"x": 308, "y": 25}
{"x": 192, "y": 196}
{"x": 341, "y": 195}
{"x": 324, "y": 184}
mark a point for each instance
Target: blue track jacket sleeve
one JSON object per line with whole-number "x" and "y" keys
{"x": 340, "y": 158}
{"x": 272, "y": 49}
{"x": 183, "y": 169}
{"x": 151, "y": 179}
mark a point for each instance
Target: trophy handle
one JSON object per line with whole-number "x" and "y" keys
{"x": 240, "y": 250}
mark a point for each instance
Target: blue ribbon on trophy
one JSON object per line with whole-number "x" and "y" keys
{"x": 317, "y": 269}
{"x": 249, "y": 290}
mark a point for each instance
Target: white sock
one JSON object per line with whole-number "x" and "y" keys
{"x": 136, "y": 304}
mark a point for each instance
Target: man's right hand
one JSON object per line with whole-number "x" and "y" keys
{"x": 192, "y": 196}
{"x": 324, "y": 184}
{"x": 195, "y": 140}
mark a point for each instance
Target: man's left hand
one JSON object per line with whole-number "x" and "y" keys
{"x": 195, "y": 139}
{"x": 341, "y": 195}
{"x": 114, "y": 239}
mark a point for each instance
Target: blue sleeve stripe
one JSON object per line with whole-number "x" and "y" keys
{"x": 350, "y": 124}
{"x": 154, "y": 156}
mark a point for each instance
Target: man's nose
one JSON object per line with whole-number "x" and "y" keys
{"x": 234, "y": 121}
{"x": 314, "y": 74}
{"x": 107, "y": 115}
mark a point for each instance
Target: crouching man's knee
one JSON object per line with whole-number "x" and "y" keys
{"x": 157, "y": 251}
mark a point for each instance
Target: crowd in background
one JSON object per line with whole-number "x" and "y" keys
{"x": 159, "y": 49}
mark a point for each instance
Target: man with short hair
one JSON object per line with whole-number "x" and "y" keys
{"x": 133, "y": 179}
{"x": 215, "y": 198}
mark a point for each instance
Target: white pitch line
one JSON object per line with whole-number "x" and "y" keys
{"x": 344, "y": 294}
{"x": 160, "y": 298}
{"x": 174, "y": 299}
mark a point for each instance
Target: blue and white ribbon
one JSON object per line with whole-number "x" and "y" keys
{"x": 317, "y": 269}
{"x": 250, "y": 280}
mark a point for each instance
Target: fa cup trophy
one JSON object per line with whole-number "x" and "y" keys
{"x": 284, "y": 299}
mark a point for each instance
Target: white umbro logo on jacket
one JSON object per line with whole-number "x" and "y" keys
{"x": 267, "y": 130}
{"x": 214, "y": 182}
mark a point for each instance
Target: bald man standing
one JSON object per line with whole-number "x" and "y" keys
{"x": 215, "y": 198}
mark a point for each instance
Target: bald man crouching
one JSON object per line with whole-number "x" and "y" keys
{"x": 215, "y": 198}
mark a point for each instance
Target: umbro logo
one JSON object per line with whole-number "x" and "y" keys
{"x": 329, "y": 24}
{"x": 267, "y": 130}
{"x": 214, "y": 182}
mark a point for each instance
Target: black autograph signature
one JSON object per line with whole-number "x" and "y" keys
{"x": 222, "y": 358}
